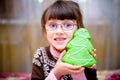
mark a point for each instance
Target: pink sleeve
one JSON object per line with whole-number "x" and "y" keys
{"x": 51, "y": 76}
{"x": 80, "y": 76}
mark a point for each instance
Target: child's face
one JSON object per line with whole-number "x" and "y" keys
{"x": 59, "y": 32}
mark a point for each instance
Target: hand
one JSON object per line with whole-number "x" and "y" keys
{"x": 62, "y": 68}
{"x": 94, "y": 55}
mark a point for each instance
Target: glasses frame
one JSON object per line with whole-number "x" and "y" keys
{"x": 61, "y": 25}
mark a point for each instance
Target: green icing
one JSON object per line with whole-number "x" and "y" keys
{"x": 78, "y": 49}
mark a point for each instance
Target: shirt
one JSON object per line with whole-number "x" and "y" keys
{"x": 43, "y": 63}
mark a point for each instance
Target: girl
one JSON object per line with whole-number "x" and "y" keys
{"x": 59, "y": 22}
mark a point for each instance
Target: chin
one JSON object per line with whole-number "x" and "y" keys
{"x": 60, "y": 48}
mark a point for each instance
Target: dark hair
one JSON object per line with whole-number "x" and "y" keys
{"x": 62, "y": 10}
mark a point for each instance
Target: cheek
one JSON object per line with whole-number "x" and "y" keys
{"x": 70, "y": 35}
{"x": 49, "y": 36}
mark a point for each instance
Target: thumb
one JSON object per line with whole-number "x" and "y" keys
{"x": 62, "y": 54}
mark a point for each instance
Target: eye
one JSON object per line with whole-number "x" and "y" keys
{"x": 52, "y": 25}
{"x": 68, "y": 25}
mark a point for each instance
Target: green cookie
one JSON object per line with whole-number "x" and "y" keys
{"x": 78, "y": 49}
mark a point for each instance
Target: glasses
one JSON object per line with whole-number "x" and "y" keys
{"x": 52, "y": 26}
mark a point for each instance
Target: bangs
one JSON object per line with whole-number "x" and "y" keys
{"x": 61, "y": 12}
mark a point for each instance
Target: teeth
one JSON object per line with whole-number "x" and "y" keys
{"x": 60, "y": 39}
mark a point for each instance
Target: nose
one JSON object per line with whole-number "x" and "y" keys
{"x": 59, "y": 30}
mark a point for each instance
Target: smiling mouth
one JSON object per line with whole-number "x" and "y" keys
{"x": 60, "y": 39}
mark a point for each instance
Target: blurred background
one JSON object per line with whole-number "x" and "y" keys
{"x": 21, "y": 35}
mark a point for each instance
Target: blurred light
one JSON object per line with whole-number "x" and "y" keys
{"x": 83, "y": 1}
{"x": 80, "y": 1}
{"x": 40, "y": 1}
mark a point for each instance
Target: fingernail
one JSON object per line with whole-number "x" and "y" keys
{"x": 94, "y": 54}
{"x": 82, "y": 68}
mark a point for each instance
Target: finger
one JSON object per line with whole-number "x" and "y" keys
{"x": 72, "y": 67}
{"x": 76, "y": 71}
{"x": 93, "y": 66}
{"x": 62, "y": 54}
{"x": 93, "y": 52}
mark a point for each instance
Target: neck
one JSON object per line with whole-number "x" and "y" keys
{"x": 55, "y": 53}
